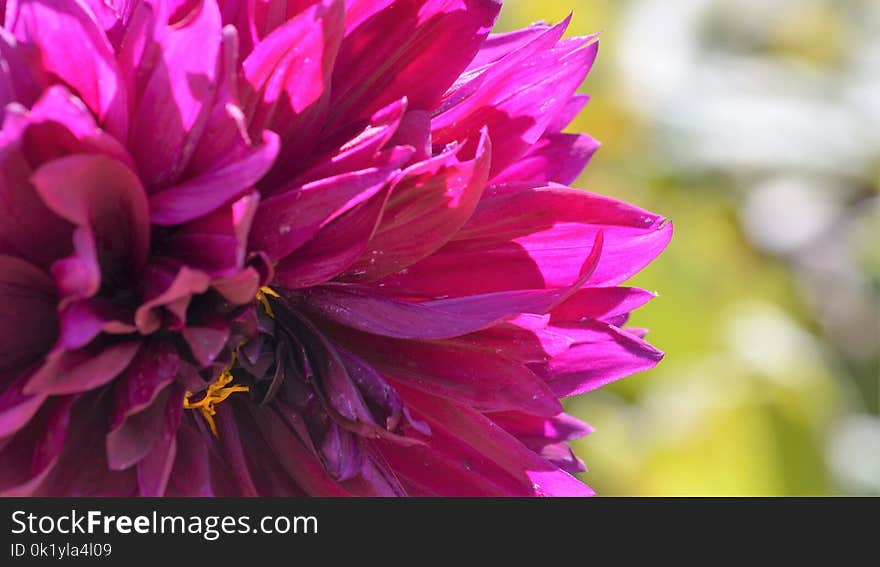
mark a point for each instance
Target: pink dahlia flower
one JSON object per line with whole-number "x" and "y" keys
{"x": 301, "y": 247}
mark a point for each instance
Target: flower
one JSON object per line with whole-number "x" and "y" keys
{"x": 301, "y": 247}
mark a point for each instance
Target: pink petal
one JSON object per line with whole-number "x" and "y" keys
{"x": 172, "y": 71}
{"x": 287, "y": 78}
{"x": 103, "y": 195}
{"x": 75, "y": 49}
{"x": 537, "y": 238}
{"x": 208, "y": 192}
{"x": 71, "y": 372}
{"x": 28, "y": 324}
{"x": 457, "y": 369}
{"x": 334, "y": 248}
{"x": 288, "y": 220}
{"x": 430, "y": 203}
{"x": 407, "y": 48}
{"x": 555, "y": 158}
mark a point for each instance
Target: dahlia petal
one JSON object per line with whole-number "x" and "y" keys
{"x": 459, "y": 370}
{"x": 429, "y": 204}
{"x": 75, "y": 49}
{"x": 478, "y": 431}
{"x": 555, "y": 158}
{"x": 79, "y": 275}
{"x": 132, "y": 440}
{"x": 537, "y": 238}
{"x": 154, "y": 470}
{"x": 498, "y": 45}
{"x": 448, "y": 468}
{"x": 415, "y": 131}
{"x": 375, "y": 389}
{"x": 170, "y": 290}
{"x": 27, "y": 314}
{"x": 376, "y": 479}
{"x": 567, "y": 113}
{"x": 334, "y": 248}
{"x": 16, "y": 408}
{"x": 206, "y": 342}
{"x": 191, "y": 471}
{"x": 216, "y": 243}
{"x": 561, "y": 455}
{"x": 601, "y": 353}
{"x": 363, "y": 309}
{"x": 234, "y": 450}
{"x": 175, "y": 81}
{"x": 537, "y": 430}
{"x": 300, "y": 464}
{"x": 240, "y": 287}
{"x": 340, "y": 453}
{"x": 288, "y": 78}
{"x": 407, "y": 48}
{"x": 81, "y": 468}
{"x": 155, "y": 367}
{"x": 70, "y": 372}
{"x": 104, "y": 195}
{"x": 58, "y": 110}
{"x": 286, "y": 221}
{"x": 602, "y": 303}
{"x": 517, "y": 97}
{"x": 207, "y": 193}
{"x": 21, "y": 74}
{"x": 358, "y": 152}
{"x": 30, "y": 456}
{"x": 22, "y": 209}
{"x": 83, "y": 320}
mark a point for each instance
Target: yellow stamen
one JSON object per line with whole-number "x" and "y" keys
{"x": 217, "y": 392}
{"x": 261, "y": 297}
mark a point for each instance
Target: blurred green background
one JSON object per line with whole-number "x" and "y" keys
{"x": 755, "y": 126}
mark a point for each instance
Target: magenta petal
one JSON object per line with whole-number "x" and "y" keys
{"x": 601, "y": 303}
{"x": 75, "y": 49}
{"x": 535, "y": 475}
{"x": 600, "y": 353}
{"x": 17, "y": 408}
{"x": 174, "y": 80}
{"x": 364, "y": 309}
{"x": 207, "y": 340}
{"x": 555, "y": 158}
{"x": 429, "y": 204}
{"x": 104, "y": 195}
{"x": 211, "y": 190}
{"x": 155, "y": 366}
{"x": 70, "y": 372}
{"x": 287, "y": 78}
{"x": 537, "y": 238}
{"x": 216, "y": 243}
{"x": 541, "y": 430}
{"x": 359, "y": 151}
{"x": 22, "y": 77}
{"x": 170, "y": 290}
{"x": 489, "y": 383}
{"x": 133, "y": 439}
{"x": 517, "y": 97}
{"x": 286, "y": 221}
{"x": 28, "y": 324}
{"x": 83, "y": 320}
{"x": 334, "y": 248}
{"x": 34, "y": 451}
{"x": 412, "y": 49}
{"x": 301, "y": 465}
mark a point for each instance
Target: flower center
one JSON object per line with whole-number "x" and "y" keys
{"x": 217, "y": 392}
{"x": 263, "y": 297}
{"x": 220, "y": 389}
